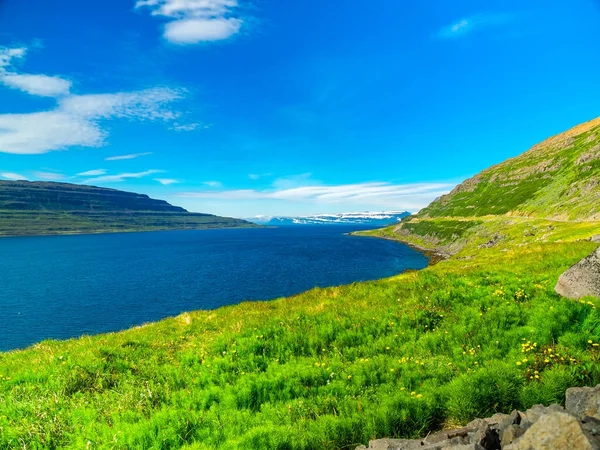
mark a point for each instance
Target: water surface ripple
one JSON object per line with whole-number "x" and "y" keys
{"x": 57, "y": 287}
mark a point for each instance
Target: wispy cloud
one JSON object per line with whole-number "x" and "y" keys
{"x": 213, "y": 184}
{"x": 122, "y": 177}
{"x": 130, "y": 156}
{"x": 187, "y": 126}
{"x": 195, "y": 21}
{"x": 48, "y": 176}
{"x": 92, "y": 173}
{"x": 468, "y": 25}
{"x": 12, "y": 176}
{"x": 376, "y": 194}
{"x": 258, "y": 176}
{"x": 167, "y": 181}
{"x": 41, "y": 85}
{"x": 77, "y": 119}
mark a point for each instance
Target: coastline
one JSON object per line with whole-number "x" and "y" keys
{"x": 128, "y": 231}
{"x": 433, "y": 255}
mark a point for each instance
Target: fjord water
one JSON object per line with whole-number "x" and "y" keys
{"x": 57, "y": 287}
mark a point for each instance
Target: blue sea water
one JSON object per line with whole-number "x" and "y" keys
{"x": 57, "y": 287}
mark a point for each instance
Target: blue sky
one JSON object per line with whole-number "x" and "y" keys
{"x": 265, "y": 107}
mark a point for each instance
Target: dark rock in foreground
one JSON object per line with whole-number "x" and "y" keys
{"x": 575, "y": 427}
{"x": 581, "y": 280}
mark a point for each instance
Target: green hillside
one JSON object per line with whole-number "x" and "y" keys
{"x": 558, "y": 179}
{"x": 478, "y": 333}
{"x": 38, "y": 208}
{"x": 519, "y": 200}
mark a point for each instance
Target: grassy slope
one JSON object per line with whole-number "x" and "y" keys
{"x": 329, "y": 369}
{"x": 555, "y": 179}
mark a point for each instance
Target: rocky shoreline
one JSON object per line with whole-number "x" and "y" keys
{"x": 576, "y": 426}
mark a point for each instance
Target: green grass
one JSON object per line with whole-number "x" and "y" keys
{"x": 556, "y": 179}
{"x": 480, "y": 333}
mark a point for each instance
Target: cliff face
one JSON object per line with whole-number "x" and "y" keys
{"x": 45, "y": 196}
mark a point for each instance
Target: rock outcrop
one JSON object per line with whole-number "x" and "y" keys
{"x": 574, "y": 427}
{"x": 582, "y": 279}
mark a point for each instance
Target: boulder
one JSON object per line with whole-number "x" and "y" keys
{"x": 581, "y": 280}
{"x": 557, "y": 430}
{"x": 575, "y": 427}
{"x": 583, "y": 402}
{"x": 478, "y": 435}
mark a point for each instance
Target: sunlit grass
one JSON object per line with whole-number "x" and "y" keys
{"x": 329, "y": 369}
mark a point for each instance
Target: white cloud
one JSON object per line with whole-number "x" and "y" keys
{"x": 166, "y": 181}
{"x": 147, "y": 104}
{"x": 195, "y": 21}
{"x": 372, "y": 195}
{"x": 258, "y": 176}
{"x": 470, "y": 24}
{"x": 12, "y": 176}
{"x": 213, "y": 184}
{"x": 130, "y": 156}
{"x": 49, "y": 176}
{"x": 41, "y": 85}
{"x": 76, "y": 120}
{"x": 92, "y": 173}
{"x": 8, "y": 54}
{"x": 193, "y": 31}
{"x": 121, "y": 177}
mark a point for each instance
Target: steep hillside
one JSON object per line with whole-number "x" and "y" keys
{"x": 515, "y": 201}
{"x": 557, "y": 179}
{"x": 41, "y": 208}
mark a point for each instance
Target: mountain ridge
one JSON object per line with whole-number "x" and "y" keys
{"x": 41, "y": 208}
{"x": 53, "y": 196}
{"x": 555, "y": 179}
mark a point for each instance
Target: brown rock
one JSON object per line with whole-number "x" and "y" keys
{"x": 554, "y": 431}
{"x": 533, "y": 414}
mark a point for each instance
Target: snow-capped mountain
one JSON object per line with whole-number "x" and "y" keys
{"x": 356, "y": 218}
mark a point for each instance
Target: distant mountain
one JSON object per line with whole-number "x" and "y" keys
{"x": 364, "y": 218}
{"x": 48, "y": 196}
{"x": 38, "y": 208}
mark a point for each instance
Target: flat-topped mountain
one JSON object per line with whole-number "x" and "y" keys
{"x": 38, "y": 208}
{"x": 558, "y": 178}
{"x": 48, "y": 196}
